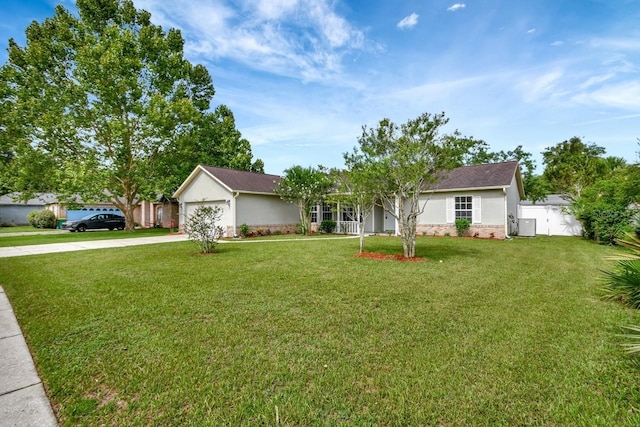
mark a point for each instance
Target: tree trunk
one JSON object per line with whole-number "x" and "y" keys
{"x": 127, "y": 211}
{"x": 305, "y": 219}
{"x": 129, "y": 223}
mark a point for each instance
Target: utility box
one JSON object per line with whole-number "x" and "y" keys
{"x": 527, "y": 227}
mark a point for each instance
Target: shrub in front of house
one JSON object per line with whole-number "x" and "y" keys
{"x": 462, "y": 225}
{"x": 42, "y": 219}
{"x": 202, "y": 228}
{"x": 327, "y": 226}
{"x": 244, "y": 230}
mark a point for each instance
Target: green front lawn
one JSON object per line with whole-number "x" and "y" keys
{"x": 24, "y": 229}
{"x": 68, "y": 236}
{"x": 498, "y": 333}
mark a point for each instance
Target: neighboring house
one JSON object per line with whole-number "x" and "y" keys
{"x": 244, "y": 197}
{"x": 15, "y": 212}
{"x": 162, "y": 212}
{"x": 487, "y": 195}
{"x": 551, "y": 216}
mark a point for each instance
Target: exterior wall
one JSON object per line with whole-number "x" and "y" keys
{"x": 170, "y": 214}
{"x": 513, "y": 200}
{"x": 433, "y": 221}
{"x": 205, "y": 190}
{"x": 17, "y": 214}
{"x": 226, "y": 220}
{"x": 266, "y": 212}
{"x": 256, "y": 209}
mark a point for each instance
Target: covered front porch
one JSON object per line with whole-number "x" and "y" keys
{"x": 378, "y": 221}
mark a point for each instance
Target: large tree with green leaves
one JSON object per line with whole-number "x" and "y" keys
{"x": 97, "y": 104}
{"x": 306, "y": 187}
{"x": 213, "y": 141}
{"x": 405, "y": 160}
{"x": 571, "y": 166}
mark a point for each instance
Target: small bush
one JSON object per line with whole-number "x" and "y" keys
{"x": 202, "y": 229}
{"x": 462, "y": 225}
{"x": 42, "y": 219}
{"x": 244, "y": 230}
{"x": 277, "y": 232}
{"x": 327, "y": 226}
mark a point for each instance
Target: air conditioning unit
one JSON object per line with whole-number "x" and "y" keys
{"x": 527, "y": 227}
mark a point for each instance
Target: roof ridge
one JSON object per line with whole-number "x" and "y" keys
{"x": 239, "y": 170}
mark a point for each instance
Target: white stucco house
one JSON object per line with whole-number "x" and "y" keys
{"x": 244, "y": 197}
{"x": 487, "y": 195}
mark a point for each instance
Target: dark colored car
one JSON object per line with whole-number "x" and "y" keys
{"x": 95, "y": 221}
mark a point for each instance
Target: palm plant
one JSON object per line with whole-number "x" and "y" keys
{"x": 633, "y": 343}
{"x": 623, "y": 283}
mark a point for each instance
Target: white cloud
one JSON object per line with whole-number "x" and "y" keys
{"x": 273, "y": 9}
{"x": 623, "y": 95}
{"x": 557, "y": 43}
{"x": 531, "y": 31}
{"x": 538, "y": 87}
{"x": 408, "y": 21}
{"x": 306, "y": 40}
{"x": 456, "y": 6}
{"x": 596, "y": 80}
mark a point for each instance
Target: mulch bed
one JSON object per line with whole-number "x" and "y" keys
{"x": 385, "y": 257}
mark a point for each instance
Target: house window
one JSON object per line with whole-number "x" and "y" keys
{"x": 464, "y": 207}
{"x": 327, "y": 212}
{"x": 348, "y": 215}
{"x": 314, "y": 213}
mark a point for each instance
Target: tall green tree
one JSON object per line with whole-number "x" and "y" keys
{"x": 214, "y": 141}
{"x": 98, "y": 102}
{"x": 571, "y": 166}
{"x": 306, "y": 187}
{"x": 405, "y": 160}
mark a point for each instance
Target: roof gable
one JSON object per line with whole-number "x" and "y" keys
{"x": 491, "y": 175}
{"x": 243, "y": 181}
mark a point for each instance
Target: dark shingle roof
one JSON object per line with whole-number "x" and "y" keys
{"x": 249, "y": 182}
{"x": 478, "y": 176}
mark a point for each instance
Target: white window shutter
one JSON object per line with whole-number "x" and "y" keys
{"x": 477, "y": 210}
{"x": 450, "y": 209}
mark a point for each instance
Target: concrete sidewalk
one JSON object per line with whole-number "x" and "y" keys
{"x": 23, "y": 401}
{"x": 13, "y": 251}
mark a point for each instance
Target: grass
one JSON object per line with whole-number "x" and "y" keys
{"x": 22, "y": 229}
{"x": 498, "y": 333}
{"x": 56, "y": 237}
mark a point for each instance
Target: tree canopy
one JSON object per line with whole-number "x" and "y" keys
{"x": 306, "y": 187}
{"x": 404, "y": 160}
{"x": 101, "y": 103}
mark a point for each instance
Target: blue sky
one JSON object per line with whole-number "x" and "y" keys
{"x": 302, "y": 77}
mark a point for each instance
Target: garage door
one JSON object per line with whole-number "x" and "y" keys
{"x": 225, "y": 221}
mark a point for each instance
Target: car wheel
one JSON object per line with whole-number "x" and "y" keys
{"x": 110, "y": 228}
{"x": 121, "y": 227}
{"x": 81, "y": 228}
